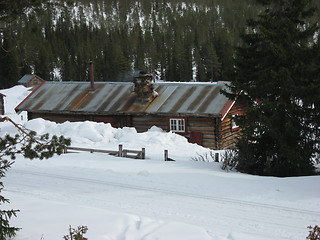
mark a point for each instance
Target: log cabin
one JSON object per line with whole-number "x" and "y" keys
{"x": 30, "y": 80}
{"x": 197, "y": 111}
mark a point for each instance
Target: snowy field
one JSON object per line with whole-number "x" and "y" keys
{"x": 128, "y": 199}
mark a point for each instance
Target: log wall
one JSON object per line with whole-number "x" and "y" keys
{"x": 59, "y": 118}
{"x": 204, "y": 125}
{"x": 228, "y": 134}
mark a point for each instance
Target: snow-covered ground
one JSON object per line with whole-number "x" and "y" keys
{"x": 127, "y": 199}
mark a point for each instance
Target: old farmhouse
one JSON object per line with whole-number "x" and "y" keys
{"x": 196, "y": 110}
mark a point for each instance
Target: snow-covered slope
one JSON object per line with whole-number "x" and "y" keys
{"x": 126, "y": 199}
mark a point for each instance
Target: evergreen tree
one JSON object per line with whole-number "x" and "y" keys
{"x": 71, "y": 38}
{"x": 211, "y": 62}
{"x": 276, "y": 69}
{"x": 5, "y": 215}
{"x": 43, "y": 62}
{"x": 9, "y": 70}
{"x": 13, "y": 8}
{"x": 139, "y": 62}
{"x": 30, "y": 146}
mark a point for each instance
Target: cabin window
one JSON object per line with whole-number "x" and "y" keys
{"x": 177, "y": 125}
{"x": 233, "y": 123}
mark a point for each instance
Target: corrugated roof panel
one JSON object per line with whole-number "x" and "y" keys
{"x": 113, "y": 98}
{"x": 210, "y": 95}
{"x": 159, "y": 100}
{"x": 165, "y": 100}
{"x": 26, "y": 78}
{"x": 103, "y": 101}
{"x": 184, "y": 95}
{"x": 62, "y": 96}
{"x": 191, "y": 95}
{"x": 217, "y": 104}
{"x": 198, "y": 98}
{"x": 119, "y": 100}
{"x": 120, "y": 94}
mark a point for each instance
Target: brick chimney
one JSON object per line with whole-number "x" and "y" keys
{"x": 143, "y": 87}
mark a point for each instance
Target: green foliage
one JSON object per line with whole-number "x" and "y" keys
{"x": 13, "y": 8}
{"x": 76, "y": 234}
{"x": 178, "y": 40}
{"x": 172, "y": 38}
{"x": 30, "y": 146}
{"x": 5, "y": 215}
{"x": 275, "y": 69}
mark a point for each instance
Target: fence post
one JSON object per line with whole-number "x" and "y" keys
{"x": 216, "y": 157}
{"x": 143, "y": 153}
{"x": 120, "y": 151}
{"x": 166, "y": 155}
{"x": 124, "y": 153}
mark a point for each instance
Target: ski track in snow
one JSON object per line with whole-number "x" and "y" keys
{"x": 169, "y": 192}
{"x": 215, "y": 213}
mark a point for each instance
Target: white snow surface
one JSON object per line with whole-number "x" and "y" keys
{"x": 129, "y": 199}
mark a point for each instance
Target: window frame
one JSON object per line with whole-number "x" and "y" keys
{"x": 177, "y": 121}
{"x": 234, "y": 126}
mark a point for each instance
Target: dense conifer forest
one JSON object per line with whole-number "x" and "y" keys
{"x": 177, "y": 40}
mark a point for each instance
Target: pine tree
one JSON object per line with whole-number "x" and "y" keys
{"x": 30, "y": 146}
{"x": 13, "y": 8}
{"x": 9, "y": 70}
{"x": 43, "y": 62}
{"x": 276, "y": 71}
{"x": 5, "y": 215}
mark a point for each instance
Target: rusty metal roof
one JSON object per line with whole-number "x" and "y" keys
{"x": 200, "y": 99}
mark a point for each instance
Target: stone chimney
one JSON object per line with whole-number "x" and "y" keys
{"x": 143, "y": 87}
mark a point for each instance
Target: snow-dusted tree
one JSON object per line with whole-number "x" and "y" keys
{"x": 277, "y": 70}
{"x": 30, "y": 146}
{"x": 13, "y": 8}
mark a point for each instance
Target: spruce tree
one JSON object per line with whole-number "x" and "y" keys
{"x": 277, "y": 73}
{"x": 9, "y": 70}
{"x": 31, "y": 146}
{"x": 13, "y": 8}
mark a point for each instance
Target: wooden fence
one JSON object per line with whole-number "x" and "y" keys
{"x": 127, "y": 153}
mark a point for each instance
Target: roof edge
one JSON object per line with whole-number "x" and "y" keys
{"x": 128, "y": 114}
{"x": 23, "y": 101}
{"x": 227, "y": 107}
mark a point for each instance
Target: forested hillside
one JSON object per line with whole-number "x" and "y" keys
{"x": 179, "y": 41}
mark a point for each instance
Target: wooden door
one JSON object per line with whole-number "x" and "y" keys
{"x": 196, "y": 137}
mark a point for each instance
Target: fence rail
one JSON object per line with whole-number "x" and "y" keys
{"x": 127, "y": 153}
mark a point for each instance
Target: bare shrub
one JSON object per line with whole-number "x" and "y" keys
{"x": 206, "y": 157}
{"x": 76, "y": 234}
{"x": 229, "y": 161}
{"x": 314, "y": 233}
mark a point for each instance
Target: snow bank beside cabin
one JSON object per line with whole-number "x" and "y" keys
{"x": 13, "y": 97}
{"x": 103, "y": 136}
